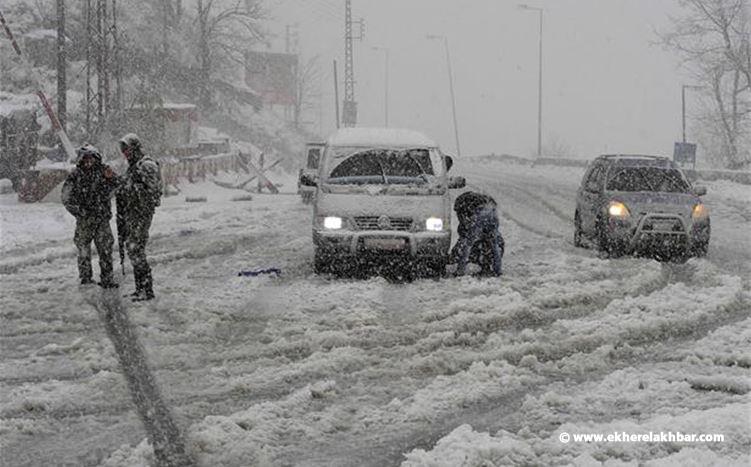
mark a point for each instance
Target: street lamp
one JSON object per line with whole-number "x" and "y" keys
{"x": 683, "y": 106}
{"x": 385, "y": 85}
{"x": 451, "y": 86}
{"x": 539, "y": 81}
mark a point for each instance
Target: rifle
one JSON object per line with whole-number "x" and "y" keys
{"x": 122, "y": 231}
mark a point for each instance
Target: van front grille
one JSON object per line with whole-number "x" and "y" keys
{"x": 371, "y": 223}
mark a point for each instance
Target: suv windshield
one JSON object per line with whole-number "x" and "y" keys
{"x": 384, "y": 166}
{"x": 647, "y": 179}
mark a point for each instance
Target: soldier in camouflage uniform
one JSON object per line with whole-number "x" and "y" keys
{"x": 87, "y": 194}
{"x": 137, "y": 199}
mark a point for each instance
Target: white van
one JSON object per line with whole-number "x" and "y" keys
{"x": 382, "y": 195}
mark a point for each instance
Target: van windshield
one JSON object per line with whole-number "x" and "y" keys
{"x": 383, "y": 166}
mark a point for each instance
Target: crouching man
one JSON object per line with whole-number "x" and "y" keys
{"x": 480, "y": 240}
{"x": 87, "y": 194}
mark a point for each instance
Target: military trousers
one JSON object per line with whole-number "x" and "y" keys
{"x": 98, "y": 231}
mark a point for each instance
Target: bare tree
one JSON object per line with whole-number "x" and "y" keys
{"x": 225, "y": 31}
{"x": 712, "y": 38}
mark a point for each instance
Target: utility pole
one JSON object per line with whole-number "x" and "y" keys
{"x": 336, "y": 94}
{"x": 101, "y": 66}
{"x": 683, "y": 112}
{"x": 451, "y": 88}
{"x": 349, "y": 111}
{"x": 117, "y": 68}
{"x": 539, "y": 81}
{"x": 683, "y": 106}
{"x": 539, "y": 93}
{"x": 61, "y": 65}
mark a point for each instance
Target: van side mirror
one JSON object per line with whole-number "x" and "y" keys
{"x": 700, "y": 190}
{"x": 449, "y": 162}
{"x": 457, "y": 182}
{"x": 308, "y": 179}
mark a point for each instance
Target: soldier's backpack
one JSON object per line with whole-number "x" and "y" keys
{"x": 155, "y": 187}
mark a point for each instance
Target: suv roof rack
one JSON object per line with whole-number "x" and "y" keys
{"x": 635, "y": 160}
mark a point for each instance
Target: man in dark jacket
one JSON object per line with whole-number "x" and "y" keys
{"x": 480, "y": 240}
{"x": 137, "y": 199}
{"x": 87, "y": 194}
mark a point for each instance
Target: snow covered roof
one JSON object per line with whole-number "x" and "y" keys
{"x": 380, "y": 137}
{"x": 167, "y": 106}
{"x": 205, "y": 133}
{"x": 174, "y": 106}
{"x": 43, "y": 34}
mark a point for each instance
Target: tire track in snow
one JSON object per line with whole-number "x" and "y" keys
{"x": 385, "y": 354}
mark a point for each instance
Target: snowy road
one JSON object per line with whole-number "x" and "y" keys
{"x": 318, "y": 371}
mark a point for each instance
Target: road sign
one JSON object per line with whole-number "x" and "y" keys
{"x": 684, "y": 153}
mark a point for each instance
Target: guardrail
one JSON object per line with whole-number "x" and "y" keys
{"x": 738, "y": 176}
{"x": 197, "y": 167}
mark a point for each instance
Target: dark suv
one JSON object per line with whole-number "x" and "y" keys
{"x": 641, "y": 204}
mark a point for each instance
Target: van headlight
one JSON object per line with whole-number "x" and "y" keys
{"x": 332, "y": 223}
{"x": 434, "y": 224}
{"x": 618, "y": 209}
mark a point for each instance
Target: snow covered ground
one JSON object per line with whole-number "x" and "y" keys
{"x": 308, "y": 370}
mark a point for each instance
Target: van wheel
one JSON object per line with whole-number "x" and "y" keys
{"x": 321, "y": 263}
{"x": 577, "y": 230}
{"x": 435, "y": 268}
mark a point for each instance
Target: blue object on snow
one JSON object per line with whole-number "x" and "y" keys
{"x": 258, "y": 272}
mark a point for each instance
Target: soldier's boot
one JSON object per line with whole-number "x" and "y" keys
{"x": 148, "y": 285}
{"x": 84, "y": 269}
{"x": 144, "y": 287}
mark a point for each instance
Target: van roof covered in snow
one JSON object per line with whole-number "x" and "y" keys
{"x": 379, "y": 137}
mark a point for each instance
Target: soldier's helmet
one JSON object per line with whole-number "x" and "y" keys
{"x": 87, "y": 150}
{"x": 130, "y": 141}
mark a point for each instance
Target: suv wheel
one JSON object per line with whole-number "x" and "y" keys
{"x": 603, "y": 241}
{"x": 577, "y": 230}
{"x": 700, "y": 249}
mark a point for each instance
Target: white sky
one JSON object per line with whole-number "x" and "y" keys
{"x": 607, "y": 85}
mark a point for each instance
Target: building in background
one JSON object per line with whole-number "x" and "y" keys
{"x": 168, "y": 129}
{"x": 273, "y": 76}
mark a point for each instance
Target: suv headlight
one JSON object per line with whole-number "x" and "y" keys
{"x": 700, "y": 212}
{"x": 434, "y": 224}
{"x": 618, "y": 209}
{"x": 332, "y": 222}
